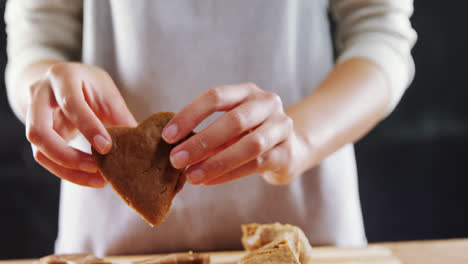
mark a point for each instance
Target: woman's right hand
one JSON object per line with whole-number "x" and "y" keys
{"x": 71, "y": 98}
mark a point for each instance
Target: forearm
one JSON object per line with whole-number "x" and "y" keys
{"x": 19, "y": 96}
{"x": 346, "y": 105}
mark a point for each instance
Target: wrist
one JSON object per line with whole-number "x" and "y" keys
{"x": 310, "y": 152}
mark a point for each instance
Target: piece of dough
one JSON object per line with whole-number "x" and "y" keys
{"x": 256, "y": 236}
{"x": 178, "y": 258}
{"x": 71, "y": 259}
{"x": 139, "y": 170}
{"x": 276, "y": 252}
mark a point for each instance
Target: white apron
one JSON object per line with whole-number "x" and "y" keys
{"x": 162, "y": 54}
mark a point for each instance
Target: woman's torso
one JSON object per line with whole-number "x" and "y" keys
{"x": 162, "y": 54}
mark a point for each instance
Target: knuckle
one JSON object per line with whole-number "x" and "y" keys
{"x": 218, "y": 166}
{"x": 274, "y": 98}
{"x": 252, "y": 86}
{"x": 67, "y": 103}
{"x": 200, "y": 143}
{"x": 58, "y": 70}
{"x": 273, "y": 160}
{"x": 33, "y": 135}
{"x": 238, "y": 120}
{"x": 215, "y": 96}
{"x": 259, "y": 162}
{"x": 279, "y": 177}
{"x": 257, "y": 145}
{"x": 268, "y": 161}
{"x": 37, "y": 156}
{"x": 272, "y": 178}
{"x": 289, "y": 123}
{"x": 100, "y": 71}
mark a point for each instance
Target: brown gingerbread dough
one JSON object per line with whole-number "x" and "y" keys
{"x": 258, "y": 239}
{"x": 139, "y": 170}
{"x": 178, "y": 258}
{"x": 276, "y": 252}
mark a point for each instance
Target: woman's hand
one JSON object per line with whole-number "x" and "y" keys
{"x": 253, "y": 136}
{"x": 73, "y": 97}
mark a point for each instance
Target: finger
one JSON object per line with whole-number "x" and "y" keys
{"x": 221, "y": 98}
{"x": 78, "y": 177}
{"x": 109, "y": 106}
{"x": 274, "y": 131}
{"x": 64, "y": 127}
{"x": 246, "y": 116}
{"x": 269, "y": 161}
{"x": 39, "y": 131}
{"x": 220, "y": 148}
{"x": 249, "y": 168}
{"x": 272, "y": 165}
{"x": 69, "y": 96}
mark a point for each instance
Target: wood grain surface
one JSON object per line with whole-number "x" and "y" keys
{"x": 453, "y": 251}
{"x": 371, "y": 255}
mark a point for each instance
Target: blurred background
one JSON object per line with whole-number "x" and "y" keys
{"x": 412, "y": 172}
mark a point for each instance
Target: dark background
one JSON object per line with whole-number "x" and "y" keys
{"x": 412, "y": 169}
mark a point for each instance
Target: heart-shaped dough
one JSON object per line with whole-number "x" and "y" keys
{"x": 139, "y": 170}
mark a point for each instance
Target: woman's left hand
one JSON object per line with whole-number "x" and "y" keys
{"x": 254, "y": 135}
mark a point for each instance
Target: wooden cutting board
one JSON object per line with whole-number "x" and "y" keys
{"x": 321, "y": 255}
{"x": 454, "y": 251}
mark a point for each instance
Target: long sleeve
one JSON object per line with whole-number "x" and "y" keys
{"x": 41, "y": 30}
{"x": 380, "y": 31}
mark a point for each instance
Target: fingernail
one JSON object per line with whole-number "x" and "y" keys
{"x": 195, "y": 176}
{"x": 97, "y": 182}
{"x": 179, "y": 159}
{"x": 101, "y": 143}
{"x": 170, "y": 132}
{"x": 88, "y": 166}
